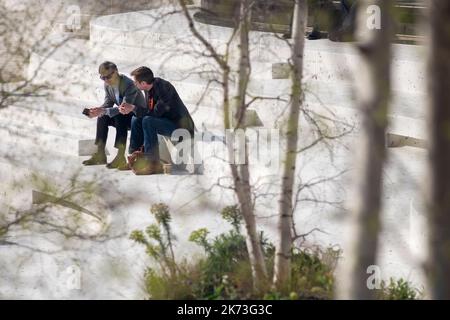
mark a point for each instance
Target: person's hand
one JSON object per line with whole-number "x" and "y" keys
{"x": 96, "y": 112}
{"x": 126, "y": 108}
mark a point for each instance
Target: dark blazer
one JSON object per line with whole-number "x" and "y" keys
{"x": 168, "y": 105}
{"x": 127, "y": 90}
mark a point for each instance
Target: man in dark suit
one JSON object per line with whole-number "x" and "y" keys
{"x": 118, "y": 89}
{"x": 164, "y": 113}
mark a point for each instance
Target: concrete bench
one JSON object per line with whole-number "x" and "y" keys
{"x": 167, "y": 152}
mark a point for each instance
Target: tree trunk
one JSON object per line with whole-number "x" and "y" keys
{"x": 439, "y": 152}
{"x": 236, "y": 114}
{"x": 240, "y": 172}
{"x": 373, "y": 100}
{"x": 282, "y": 267}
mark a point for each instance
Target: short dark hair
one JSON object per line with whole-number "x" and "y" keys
{"x": 143, "y": 74}
{"x": 107, "y": 65}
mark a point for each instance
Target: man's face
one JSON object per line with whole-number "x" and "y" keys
{"x": 142, "y": 85}
{"x": 110, "y": 77}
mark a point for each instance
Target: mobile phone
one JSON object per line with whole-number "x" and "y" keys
{"x": 86, "y": 112}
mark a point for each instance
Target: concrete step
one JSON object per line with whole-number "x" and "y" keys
{"x": 50, "y": 150}
{"x": 59, "y": 129}
{"x": 145, "y": 33}
{"x": 24, "y": 189}
{"x": 404, "y": 108}
{"x": 25, "y": 116}
{"x": 47, "y": 139}
{"x": 188, "y": 61}
{"x": 55, "y": 127}
{"x": 18, "y": 160}
{"x": 65, "y": 115}
{"x": 325, "y": 61}
{"x": 76, "y": 72}
{"x": 47, "y": 135}
{"x": 326, "y": 80}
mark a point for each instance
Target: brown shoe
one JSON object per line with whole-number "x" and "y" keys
{"x": 144, "y": 167}
{"x": 157, "y": 168}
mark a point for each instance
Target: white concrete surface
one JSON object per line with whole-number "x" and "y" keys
{"x": 41, "y": 138}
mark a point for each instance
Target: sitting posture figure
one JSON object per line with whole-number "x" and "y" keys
{"x": 118, "y": 89}
{"x": 339, "y": 23}
{"x": 164, "y": 113}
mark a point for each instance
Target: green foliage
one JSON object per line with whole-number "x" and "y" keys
{"x": 158, "y": 239}
{"x": 177, "y": 285}
{"x": 199, "y": 237}
{"x": 138, "y": 236}
{"x": 232, "y": 214}
{"x": 311, "y": 277}
{"x": 398, "y": 290}
{"x": 161, "y": 213}
{"x": 225, "y": 273}
{"x": 154, "y": 232}
{"x": 226, "y": 256}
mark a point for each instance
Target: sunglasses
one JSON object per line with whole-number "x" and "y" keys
{"x": 109, "y": 76}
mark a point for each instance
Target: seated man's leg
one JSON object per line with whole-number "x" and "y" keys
{"x": 121, "y": 123}
{"x": 345, "y": 31}
{"x": 350, "y": 17}
{"x": 314, "y": 8}
{"x": 153, "y": 126}
{"x": 100, "y": 140}
{"x": 322, "y": 15}
{"x": 345, "y": 7}
{"x": 137, "y": 135}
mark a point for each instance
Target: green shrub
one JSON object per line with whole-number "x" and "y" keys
{"x": 172, "y": 286}
{"x": 398, "y": 290}
{"x": 224, "y": 272}
{"x": 312, "y": 277}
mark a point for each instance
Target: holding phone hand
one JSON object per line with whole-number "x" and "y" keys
{"x": 126, "y": 108}
{"x": 96, "y": 112}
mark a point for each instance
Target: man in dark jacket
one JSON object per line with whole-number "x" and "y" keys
{"x": 118, "y": 89}
{"x": 339, "y": 23}
{"x": 163, "y": 114}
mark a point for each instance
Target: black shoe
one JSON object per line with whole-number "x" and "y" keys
{"x": 96, "y": 159}
{"x": 314, "y": 35}
{"x": 119, "y": 161}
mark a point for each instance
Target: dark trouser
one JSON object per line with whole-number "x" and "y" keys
{"x": 348, "y": 8}
{"x": 346, "y": 5}
{"x": 121, "y": 123}
{"x": 321, "y": 14}
{"x": 144, "y": 131}
{"x": 324, "y": 19}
